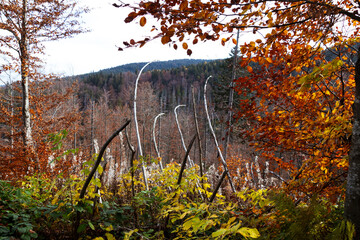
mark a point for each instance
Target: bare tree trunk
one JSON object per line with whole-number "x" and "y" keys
{"x": 215, "y": 140}
{"x": 231, "y": 99}
{"x": 198, "y": 134}
{"x": 11, "y": 115}
{"x": 248, "y": 174}
{"x": 132, "y": 170}
{"x": 266, "y": 174}
{"x": 181, "y": 135}
{"x": 137, "y": 128}
{"x": 258, "y": 171}
{"x": 92, "y": 149}
{"x": 98, "y": 159}
{"x": 24, "y": 60}
{"x": 154, "y": 139}
{"x": 352, "y": 199}
{"x": 183, "y": 163}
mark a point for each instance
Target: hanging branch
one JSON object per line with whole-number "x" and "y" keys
{"x": 181, "y": 135}
{"x": 154, "y": 139}
{"x": 215, "y": 140}
{"x": 137, "y": 127}
{"x": 98, "y": 160}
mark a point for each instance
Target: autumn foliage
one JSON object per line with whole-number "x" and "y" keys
{"x": 298, "y": 95}
{"x": 301, "y": 112}
{"x": 54, "y": 113}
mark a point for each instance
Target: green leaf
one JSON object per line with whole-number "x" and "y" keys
{"x": 4, "y": 230}
{"x": 91, "y": 225}
{"x": 81, "y": 228}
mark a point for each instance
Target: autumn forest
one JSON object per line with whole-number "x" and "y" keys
{"x": 264, "y": 144}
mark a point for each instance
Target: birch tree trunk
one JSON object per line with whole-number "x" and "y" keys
{"x": 24, "y": 61}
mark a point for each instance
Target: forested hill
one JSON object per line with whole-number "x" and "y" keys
{"x": 158, "y": 65}
{"x": 170, "y": 80}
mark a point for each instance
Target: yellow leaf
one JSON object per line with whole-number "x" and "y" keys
{"x": 100, "y": 169}
{"x": 109, "y": 236}
{"x": 249, "y": 232}
{"x": 109, "y": 228}
{"x": 231, "y": 220}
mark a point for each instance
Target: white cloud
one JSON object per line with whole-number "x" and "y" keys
{"x": 97, "y": 49}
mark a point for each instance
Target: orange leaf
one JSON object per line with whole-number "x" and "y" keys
{"x": 183, "y": 5}
{"x": 185, "y": 46}
{"x": 142, "y": 21}
{"x": 250, "y": 70}
{"x": 234, "y": 41}
{"x": 269, "y": 60}
{"x": 165, "y": 39}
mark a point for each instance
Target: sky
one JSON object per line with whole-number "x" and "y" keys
{"x": 97, "y": 49}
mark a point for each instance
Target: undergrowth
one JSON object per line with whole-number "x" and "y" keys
{"x": 40, "y": 208}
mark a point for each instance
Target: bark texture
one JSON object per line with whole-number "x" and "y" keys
{"x": 352, "y": 200}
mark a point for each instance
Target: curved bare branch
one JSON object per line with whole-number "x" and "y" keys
{"x": 215, "y": 140}
{"x": 154, "y": 139}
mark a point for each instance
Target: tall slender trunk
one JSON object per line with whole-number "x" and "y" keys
{"x": 24, "y": 58}
{"x": 352, "y": 200}
{"x": 231, "y": 99}
{"x": 24, "y": 61}
{"x": 12, "y": 115}
{"x": 92, "y": 150}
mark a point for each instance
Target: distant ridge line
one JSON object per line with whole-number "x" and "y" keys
{"x": 158, "y": 65}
